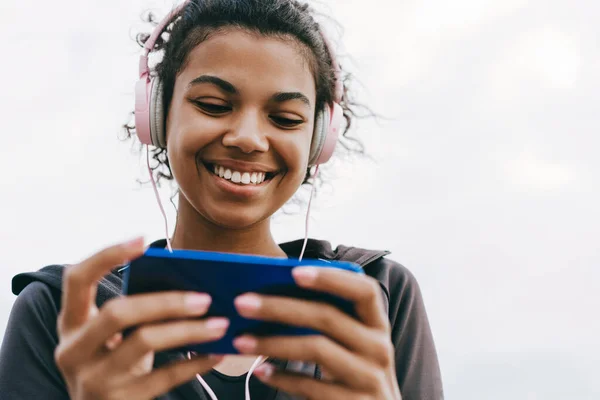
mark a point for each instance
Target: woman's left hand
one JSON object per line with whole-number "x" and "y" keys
{"x": 356, "y": 354}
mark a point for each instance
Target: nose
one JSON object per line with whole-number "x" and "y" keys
{"x": 246, "y": 134}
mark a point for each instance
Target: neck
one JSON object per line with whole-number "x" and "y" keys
{"x": 194, "y": 232}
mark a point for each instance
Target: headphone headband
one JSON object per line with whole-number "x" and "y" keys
{"x": 151, "y": 41}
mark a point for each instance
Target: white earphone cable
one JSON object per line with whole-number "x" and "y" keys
{"x": 312, "y": 191}
{"x": 212, "y": 394}
{"x": 162, "y": 210}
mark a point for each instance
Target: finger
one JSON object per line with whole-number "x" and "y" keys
{"x": 129, "y": 311}
{"x": 165, "y": 336}
{"x": 166, "y": 378}
{"x": 324, "y": 318}
{"x": 304, "y": 386}
{"x": 80, "y": 281}
{"x": 343, "y": 365}
{"x": 362, "y": 290}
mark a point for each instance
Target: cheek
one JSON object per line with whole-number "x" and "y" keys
{"x": 190, "y": 131}
{"x": 294, "y": 151}
{"x": 182, "y": 147}
{"x": 181, "y": 153}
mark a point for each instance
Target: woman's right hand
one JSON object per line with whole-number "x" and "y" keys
{"x": 92, "y": 356}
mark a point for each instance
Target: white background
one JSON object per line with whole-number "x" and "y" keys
{"x": 484, "y": 179}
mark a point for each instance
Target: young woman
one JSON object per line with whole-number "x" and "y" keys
{"x": 242, "y": 107}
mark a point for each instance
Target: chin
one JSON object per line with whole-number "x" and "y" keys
{"x": 235, "y": 218}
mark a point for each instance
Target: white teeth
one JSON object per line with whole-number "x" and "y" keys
{"x": 245, "y": 178}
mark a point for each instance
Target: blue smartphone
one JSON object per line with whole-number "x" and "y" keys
{"x": 225, "y": 276}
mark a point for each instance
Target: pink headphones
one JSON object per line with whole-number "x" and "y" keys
{"x": 149, "y": 110}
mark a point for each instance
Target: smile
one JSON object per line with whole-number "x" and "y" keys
{"x": 240, "y": 177}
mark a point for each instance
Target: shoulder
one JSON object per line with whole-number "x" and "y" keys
{"x": 398, "y": 283}
{"x": 37, "y": 301}
{"x": 402, "y": 293}
{"x": 375, "y": 262}
{"x": 27, "y": 368}
{"x": 378, "y": 264}
{"x": 31, "y": 326}
{"x": 52, "y": 278}
{"x": 395, "y": 276}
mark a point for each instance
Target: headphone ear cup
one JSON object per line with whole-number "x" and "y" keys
{"x": 143, "y": 88}
{"x": 149, "y": 112}
{"x": 329, "y": 131}
{"x": 318, "y": 139}
{"x": 157, "y": 115}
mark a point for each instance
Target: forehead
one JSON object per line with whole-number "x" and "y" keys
{"x": 252, "y": 62}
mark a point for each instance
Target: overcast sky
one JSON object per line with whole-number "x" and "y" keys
{"x": 484, "y": 180}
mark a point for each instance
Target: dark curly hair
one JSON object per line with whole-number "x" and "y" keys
{"x": 201, "y": 19}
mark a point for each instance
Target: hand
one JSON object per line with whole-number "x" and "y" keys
{"x": 97, "y": 363}
{"x": 357, "y": 355}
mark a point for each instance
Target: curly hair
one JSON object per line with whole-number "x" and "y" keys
{"x": 201, "y": 19}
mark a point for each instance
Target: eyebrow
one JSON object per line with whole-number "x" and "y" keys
{"x": 281, "y": 97}
{"x": 227, "y": 87}
{"x": 224, "y": 85}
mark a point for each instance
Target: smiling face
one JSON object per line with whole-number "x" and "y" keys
{"x": 239, "y": 126}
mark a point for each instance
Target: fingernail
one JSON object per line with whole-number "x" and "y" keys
{"x": 197, "y": 302}
{"x": 134, "y": 244}
{"x": 264, "y": 371}
{"x": 305, "y": 275}
{"x": 245, "y": 343}
{"x": 248, "y": 302}
{"x": 217, "y": 324}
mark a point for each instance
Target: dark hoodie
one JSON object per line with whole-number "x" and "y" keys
{"x": 28, "y": 370}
